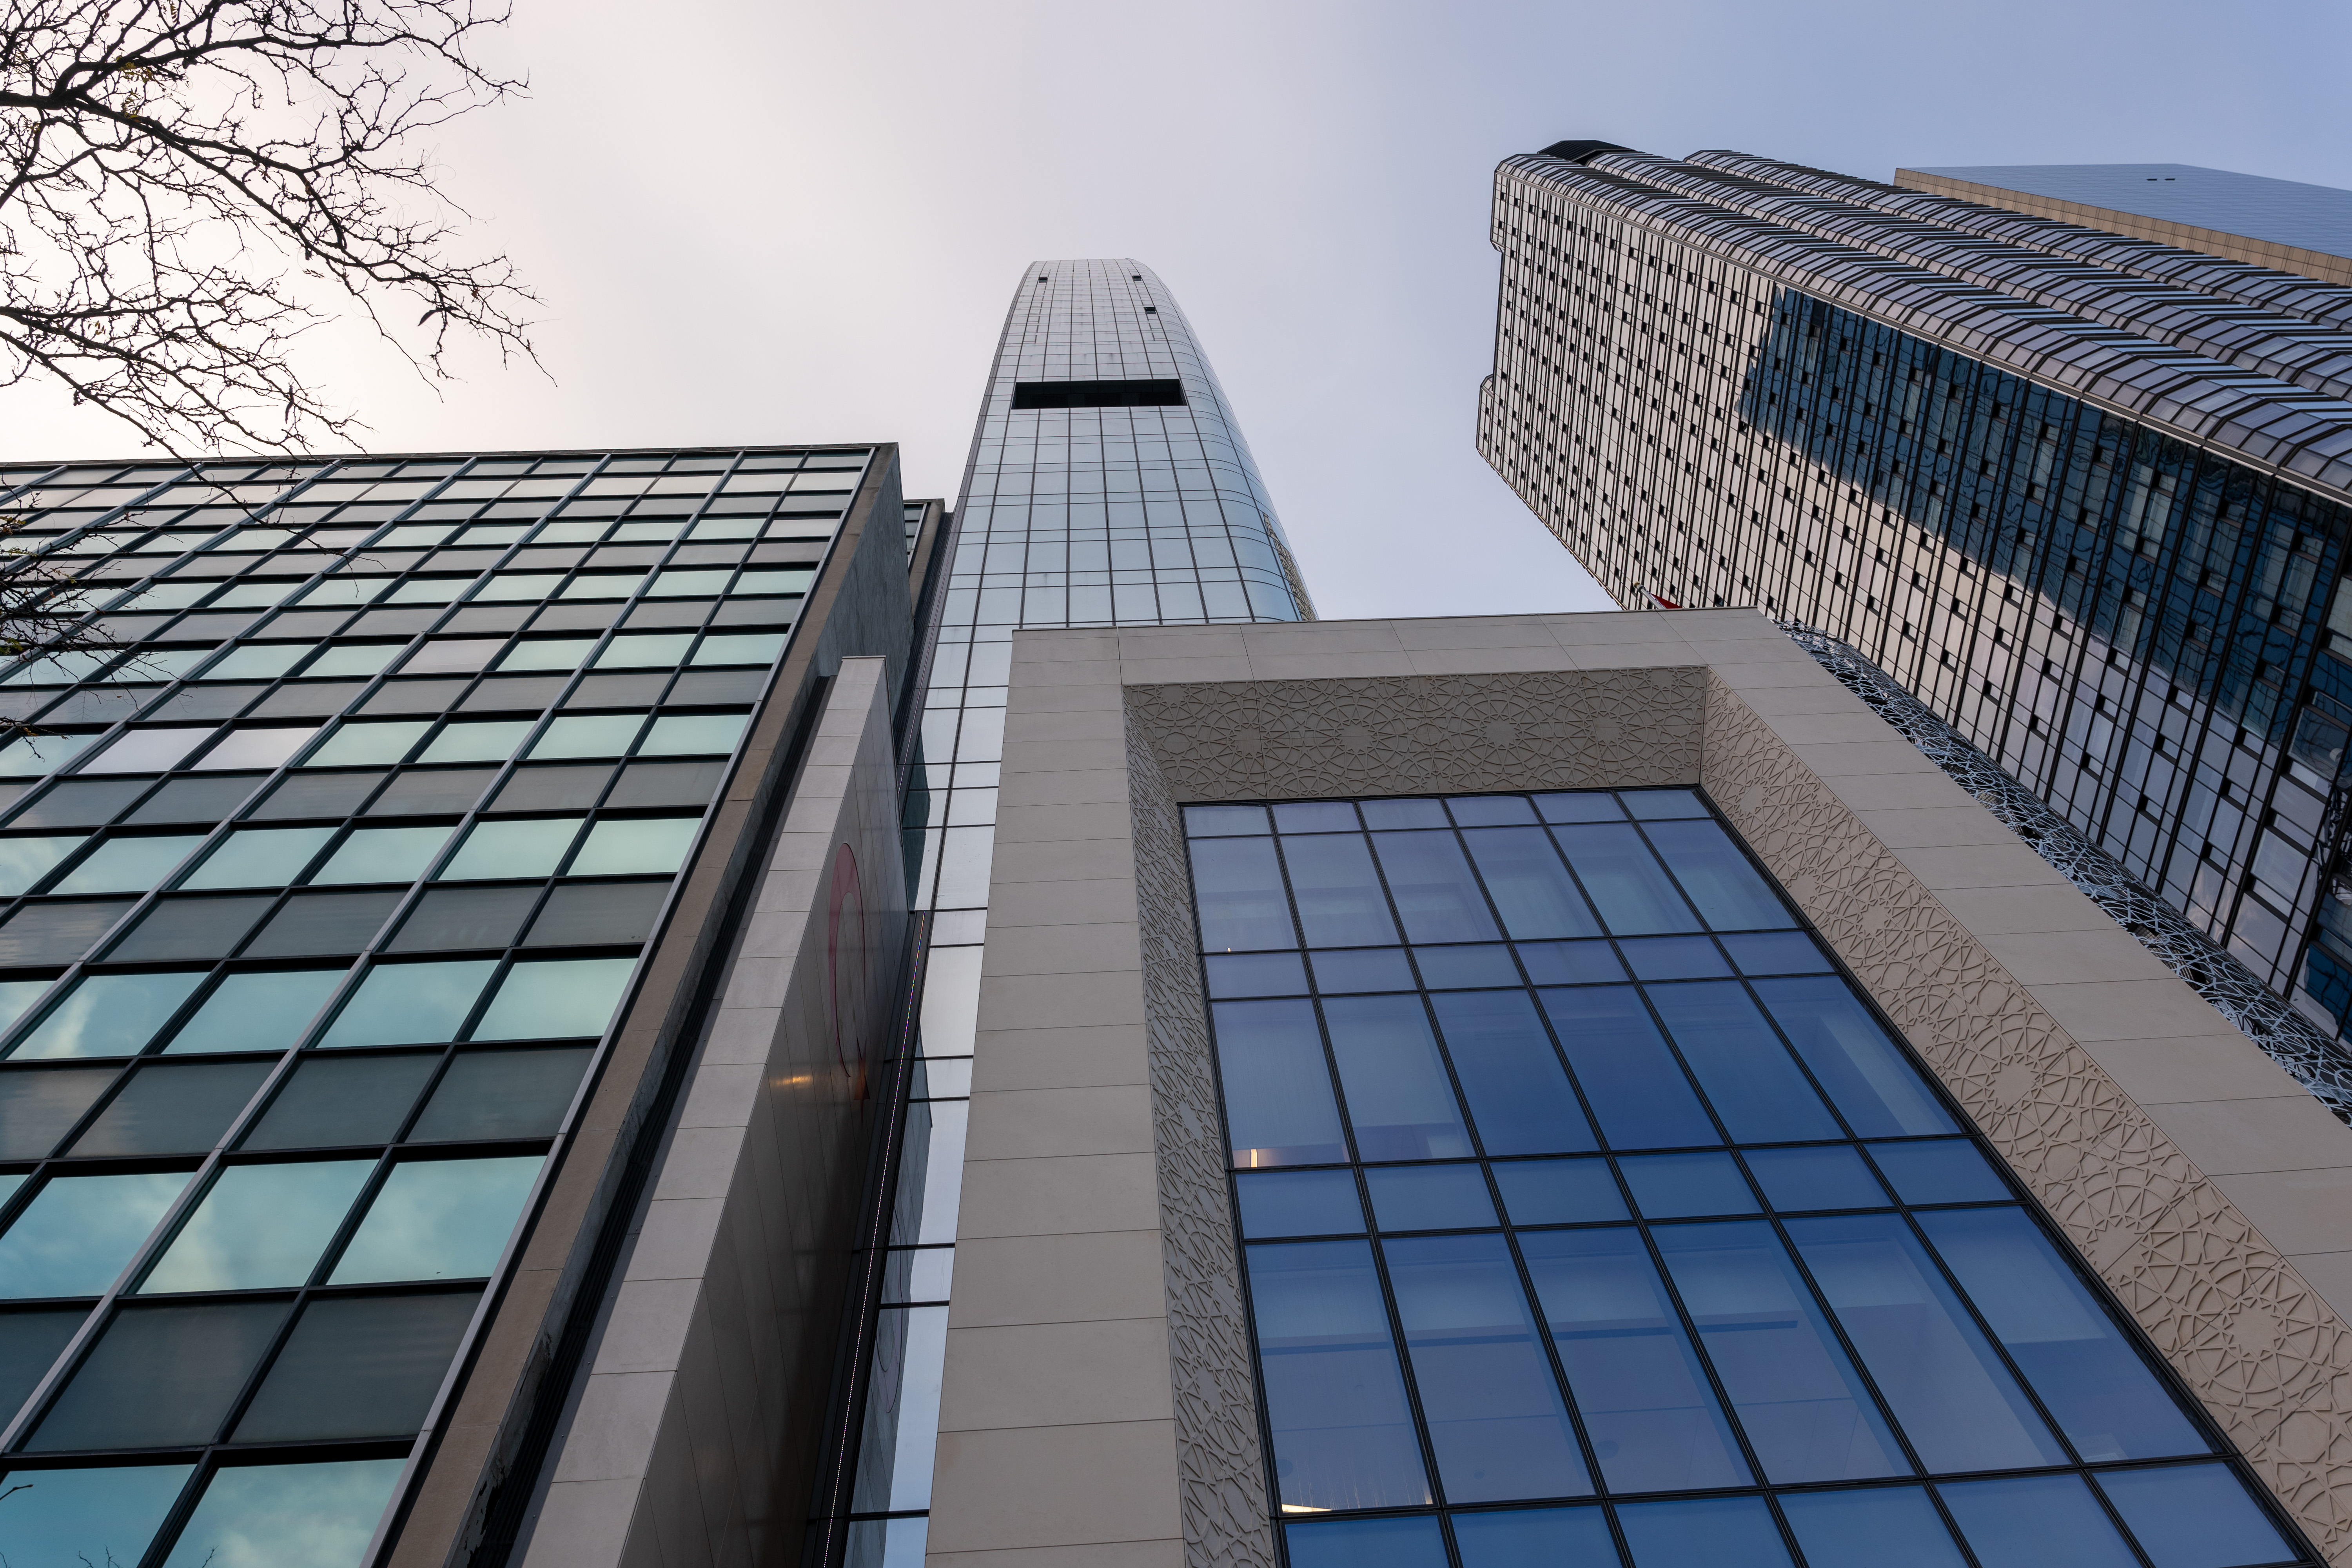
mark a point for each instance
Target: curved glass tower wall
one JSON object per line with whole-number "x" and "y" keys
{"x": 1109, "y": 485}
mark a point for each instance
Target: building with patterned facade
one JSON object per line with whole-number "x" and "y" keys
{"x": 2083, "y": 494}
{"x": 1581, "y": 1090}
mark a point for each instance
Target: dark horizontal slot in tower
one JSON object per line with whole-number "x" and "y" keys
{"x": 1097, "y": 393}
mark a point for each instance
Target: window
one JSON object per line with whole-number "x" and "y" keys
{"x": 1572, "y": 1174}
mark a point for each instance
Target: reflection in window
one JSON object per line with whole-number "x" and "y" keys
{"x": 1659, "y": 1206}
{"x": 76, "y": 1235}
{"x": 260, "y": 1226}
{"x": 439, "y": 1219}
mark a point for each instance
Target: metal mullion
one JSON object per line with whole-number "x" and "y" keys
{"x": 1551, "y": 1348}
{"x": 1920, "y": 1469}
{"x": 1723, "y": 1403}
{"x": 1403, "y": 1351}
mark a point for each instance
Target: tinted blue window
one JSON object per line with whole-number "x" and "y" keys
{"x": 1527, "y": 1049}
{"x": 1340, "y": 903}
{"x": 1399, "y": 1101}
{"x": 1713, "y": 1533}
{"x": 1625, "y": 881}
{"x": 1870, "y": 1529}
{"x": 1956, "y": 1403}
{"x": 1430, "y": 1197}
{"x": 2102, "y": 1397}
{"x": 1495, "y": 1416}
{"x": 1299, "y": 1203}
{"x": 1366, "y": 1543}
{"x": 1436, "y": 898}
{"x": 1535, "y": 1538}
{"x": 1748, "y": 1076}
{"x": 2036, "y": 1522}
{"x": 1639, "y": 1383}
{"x": 2194, "y": 1516}
{"x": 1622, "y": 1063}
{"x": 1518, "y": 1092}
{"x": 1335, "y": 1398}
{"x": 1279, "y": 1110}
{"x": 1529, "y": 884}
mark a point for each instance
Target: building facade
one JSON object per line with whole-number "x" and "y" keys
{"x": 2276, "y": 224}
{"x": 2083, "y": 495}
{"x": 420, "y": 868}
{"x": 1580, "y": 1089}
{"x": 1108, "y": 486}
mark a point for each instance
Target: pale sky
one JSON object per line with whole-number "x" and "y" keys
{"x": 802, "y": 223}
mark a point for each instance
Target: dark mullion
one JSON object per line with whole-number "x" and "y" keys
{"x": 1550, "y": 1346}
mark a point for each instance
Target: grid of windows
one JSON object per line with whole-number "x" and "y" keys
{"x": 1590, "y": 1215}
{"x": 2137, "y": 629}
{"x": 315, "y": 903}
{"x": 1123, "y": 513}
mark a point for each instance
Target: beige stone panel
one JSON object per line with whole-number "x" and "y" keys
{"x": 1042, "y": 1487}
{"x": 1062, "y": 647}
{"x": 1136, "y": 668}
{"x": 1061, "y": 949}
{"x": 1935, "y": 827}
{"x": 1084, "y": 860}
{"x": 1487, "y": 661}
{"x": 1059, "y": 756}
{"x": 1058, "y": 1279}
{"x": 1110, "y": 901}
{"x": 1477, "y": 632}
{"x": 1048, "y": 1123}
{"x": 1094, "y": 1554}
{"x": 2301, "y": 1211}
{"x": 1067, "y": 787}
{"x": 1048, "y": 1197}
{"x": 2290, "y": 1131}
{"x": 1059, "y": 1001}
{"x": 2128, "y": 1009}
{"x": 1326, "y": 639}
{"x": 1030, "y": 1375}
{"x": 1907, "y": 790}
{"x": 2191, "y": 1067}
{"x": 1026, "y": 725}
{"x": 1952, "y": 869}
{"x": 2067, "y": 957}
{"x": 1285, "y": 666}
{"x": 1023, "y": 822}
{"x": 1050, "y": 1058}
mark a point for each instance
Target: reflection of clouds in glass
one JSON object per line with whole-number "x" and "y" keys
{"x": 109, "y": 1015}
{"x": 626, "y": 846}
{"x": 72, "y": 1517}
{"x": 16, "y": 995}
{"x": 410, "y": 1004}
{"x": 256, "y": 1012}
{"x": 287, "y": 1516}
{"x": 24, "y": 861}
{"x": 550, "y": 1001}
{"x": 78, "y": 1232}
{"x": 129, "y": 865}
{"x": 439, "y": 1219}
{"x": 260, "y": 1226}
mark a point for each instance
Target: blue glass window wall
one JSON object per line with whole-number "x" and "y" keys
{"x": 1590, "y": 1214}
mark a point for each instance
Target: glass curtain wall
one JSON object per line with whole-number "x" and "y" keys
{"x": 1591, "y": 1216}
{"x": 1106, "y": 504}
{"x": 315, "y": 901}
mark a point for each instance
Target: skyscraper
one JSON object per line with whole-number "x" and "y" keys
{"x": 2083, "y": 495}
{"x": 1109, "y": 486}
{"x": 2270, "y": 224}
{"x": 375, "y": 914}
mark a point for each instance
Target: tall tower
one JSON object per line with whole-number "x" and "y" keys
{"x": 2083, "y": 494}
{"x": 1108, "y": 486}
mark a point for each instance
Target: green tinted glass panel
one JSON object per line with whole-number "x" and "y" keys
{"x": 24, "y": 861}
{"x": 554, "y": 999}
{"x": 625, "y": 847}
{"x": 259, "y": 857}
{"x": 76, "y": 1235}
{"x": 512, "y": 849}
{"x": 108, "y": 1015}
{"x": 263, "y": 1012}
{"x": 127, "y": 865}
{"x": 99, "y": 1516}
{"x": 589, "y": 735}
{"x": 260, "y": 1226}
{"x": 354, "y": 658}
{"x": 645, "y": 652}
{"x": 439, "y": 1219}
{"x": 354, "y": 744}
{"x": 691, "y": 734}
{"x": 287, "y": 1516}
{"x": 486, "y": 742}
{"x": 410, "y": 1004}
{"x": 548, "y": 653}
{"x": 382, "y": 855}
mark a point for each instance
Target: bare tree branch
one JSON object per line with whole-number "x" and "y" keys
{"x": 185, "y": 187}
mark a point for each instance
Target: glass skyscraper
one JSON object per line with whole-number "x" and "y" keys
{"x": 1108, "y": 486}
{"x": 2085, "y": 495}
{"x": 343, "y": 895}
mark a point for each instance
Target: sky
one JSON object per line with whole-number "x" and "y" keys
{"x": 803, "y": 222}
